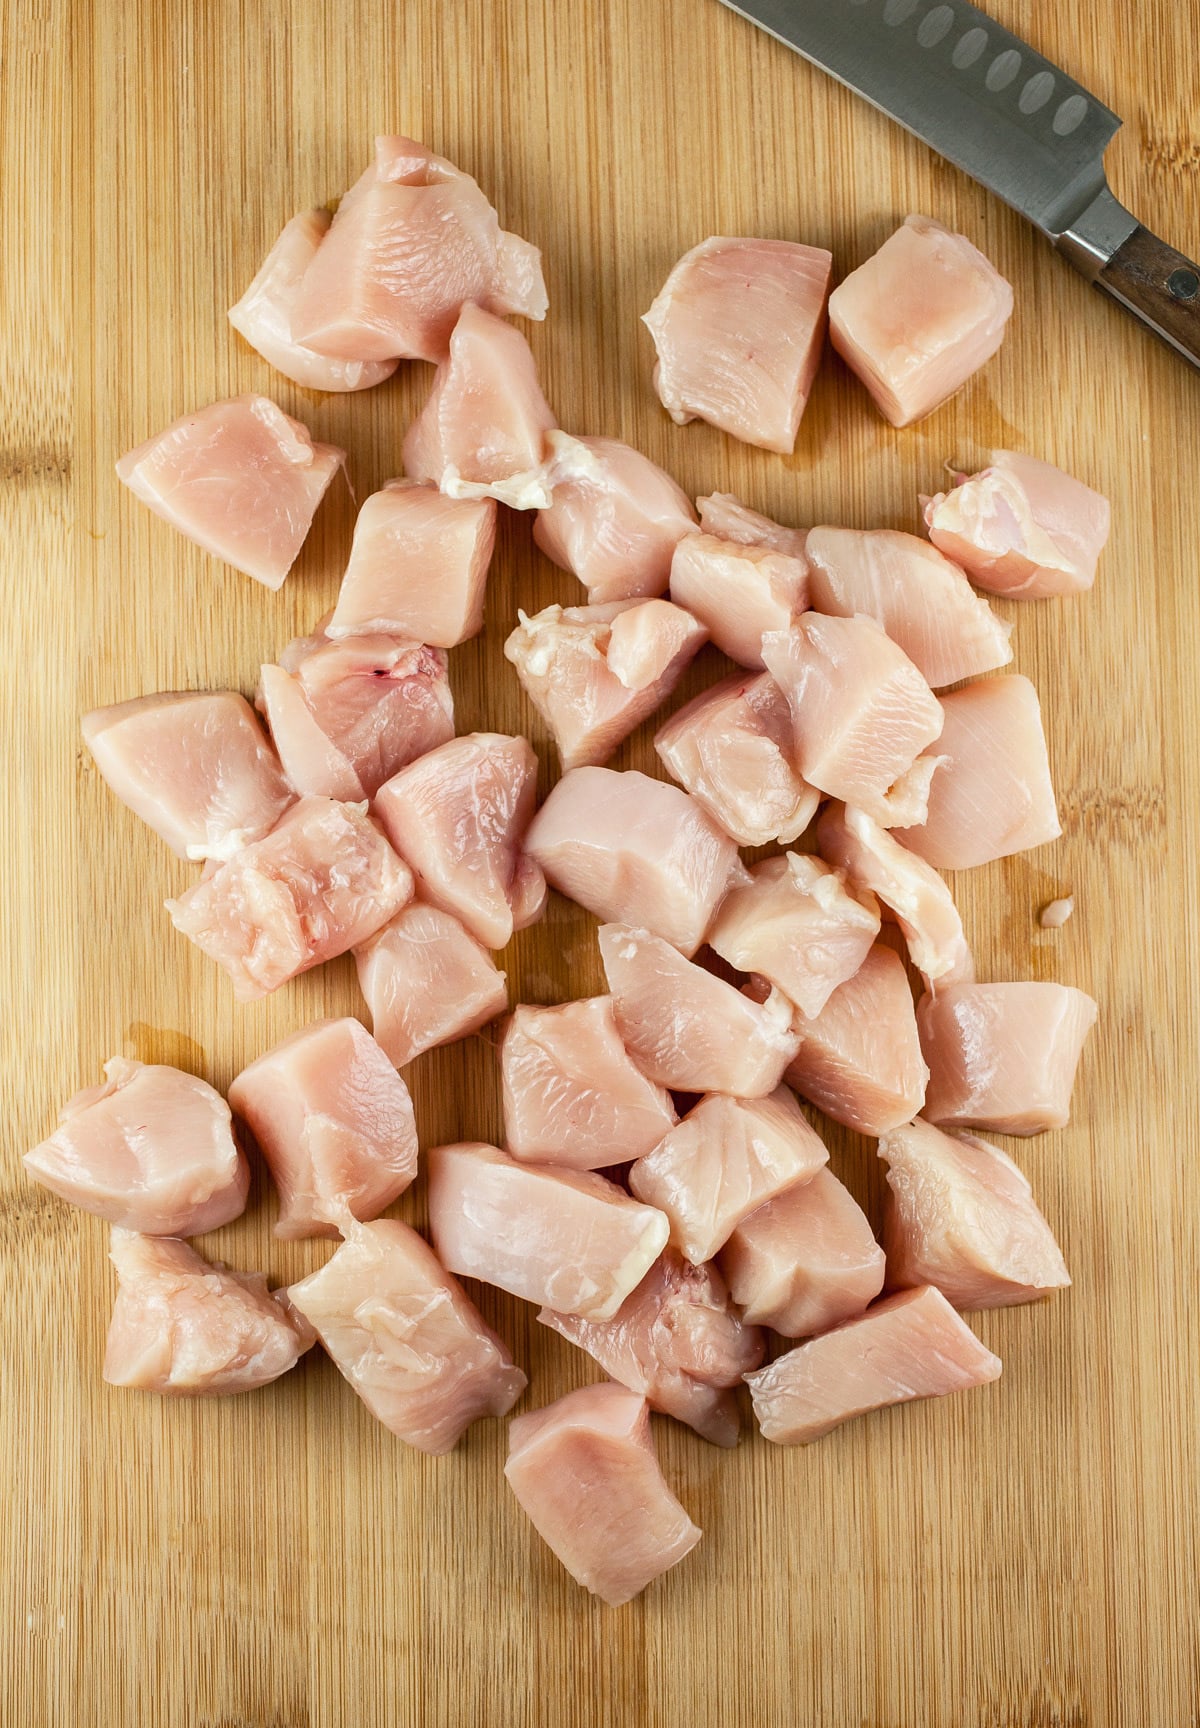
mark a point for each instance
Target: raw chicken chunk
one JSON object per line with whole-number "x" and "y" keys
{"x": 614, "y": 520}
{"x": 1021, "y": 528}
{"x": 572, "y": 1096}
{"x": 193, "y": 764}
{"x": 458, "y": 816}
{"x": 725, "y": 1159}
{"x": 182, "y": 1325}
{"x": 727, "y": 518}
{"x": 418, "y": 566}
{"x": 1003, "y": 1056}
{"x": 595, "y": 672}
{"x": 805, "y": 1261}
{"x": 323, "y": 880}
{"x": 240, "y": 478}
{"x": 739, "y": 592}
{"x": 738, "y": 328}
{"x": 678, "y": 1341}
{"x": 586, "y": 1476}
{"x": 919, "y": 318}
{"x": 427, "y": 981}
{"x": 912, "y": 1345}
{"x": 799, "y": 926}
{"x": 731, "y": 747}
{"x": 568, "y": 1239}
{"x": 634, "y": 851}
{"x": 151, "y": 1150}
{"x": 688, "y": 1030}
{"x": 961, "y": 1216}
{"x": 406, "y": 1337}
{"x": 334, "y": 1122}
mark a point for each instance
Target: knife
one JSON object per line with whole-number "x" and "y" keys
{"x": 1014, "y": 121}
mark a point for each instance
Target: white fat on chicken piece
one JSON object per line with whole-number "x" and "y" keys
{"x": 568, "y": 1239}
{"x": 678, "y": 1341}
{"x": 727, "y": 518}
{"x": 614, "y": 520}
{"x": 1021, "y": 528}
{"x": 634, "y": 851}
{"x": 594, "y": 673}
{"x": 798, "y": 925}
{"x": 322, "y": 881}
{"x": 804, "y": 1261}
{"x": 911, "y": 1345}
{"x": 151, "y": 1149}
{"x": 192, "y": 764}
{"x": 427, "y": 981}
{"x": 482, "y": 432}
{"x": 418, "y": 566}
{"x": 458, "y": 817}
{"x": 861, "y": 714}
{"x": 335, "y": 1123}
{"x": 584, "y": 1472}
{"x": 919, "y": 317}
{"x": 406, "y": 1336}
{"x": 739, "y": 592}
{"x": 731, "y": 748}
{"x": 572, "y": 1094}
{"x": 1003, "y": 1056}
{"x": 184, "y": 1326}
{"x": 738, "y": 328}
{"x": 241, "y": 478}
{"x": 961, "y": 1216}
{"x": 413, "y": 239}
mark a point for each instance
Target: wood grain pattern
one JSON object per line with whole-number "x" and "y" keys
{"x": 1025, "y": 1557}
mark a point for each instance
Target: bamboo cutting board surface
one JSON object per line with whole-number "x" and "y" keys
{"x": 1024, "y": 1557}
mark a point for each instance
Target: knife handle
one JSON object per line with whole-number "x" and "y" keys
{"x": 1160, "y": 286}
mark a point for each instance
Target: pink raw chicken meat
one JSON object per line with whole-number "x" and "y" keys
{"x": 151, "y": 1149}
{"x": 263, "y": 315}
{"x": 594, "y": 673}
{"x": 1003, "y": 1056}
{"x": 240, "y": 478}
{"x": 458, "y": 816}
{"x": 334, "y": 1122}
{"x": 922, "y": 600}
{"x": 961, "y": 1216}
{"x": 572, "y": 1096}
{"x": 805, "y": 1261}
{"x": 798, "y": 926}
{"x": 614, "y": 520}
{"x": 912, "y": 1345}
{"x": 586, "y": 1476}
{"x": 568, "y": 1239}
{"x": 860, "y": 1060}
{"x": 739, "y": 592}
{"x": 194, "y": 765}
{"x": 347, "y": 715}
{"x": 919, "y": 317}
{"x": 731, "y": 748}
{"x": 427, "y": 981}
{"x": 418, "y": 566}
{"x": 727, "y": 518}
{"x": 725, "y": 1159}
{"x": 483, "y": 430}
{"x": 322, "y": 881}
{"x": 687, "y": 1029}
{"x": 912, "y": 890}
{"x": 1021, "y": 528}
{"x": 413, "y": 239}
{"x": 634, "y": 851}
{"x": 678, "y": 1341}
{"x": 861, "y": 714}
{"x": 992, "y": 795}
{"x": 406, "y": 1337}
{"x": 182, "y": 1325}
{"x": 738, "y": 328}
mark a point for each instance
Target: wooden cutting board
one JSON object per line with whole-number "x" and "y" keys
{"x": 1022, "y": 1557}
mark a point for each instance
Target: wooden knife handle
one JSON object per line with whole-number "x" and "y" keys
{"x": 1161, "y": 286}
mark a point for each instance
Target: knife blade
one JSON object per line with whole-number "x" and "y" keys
{"x": 1010, "y": 118}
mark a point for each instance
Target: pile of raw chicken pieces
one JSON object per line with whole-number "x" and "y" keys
{"x": 661, "y": 1195}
